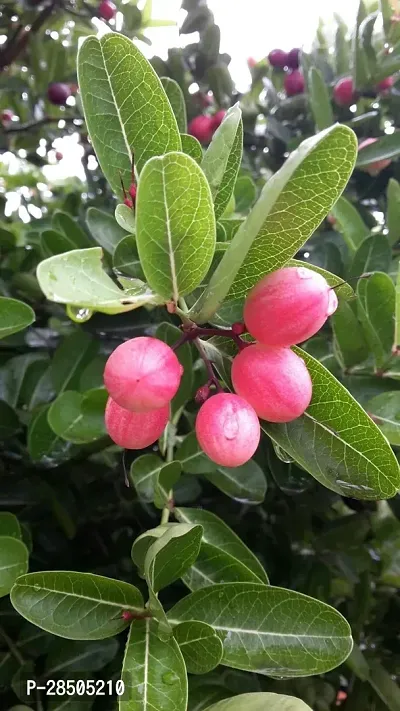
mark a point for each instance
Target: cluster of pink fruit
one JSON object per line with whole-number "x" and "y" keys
{"x": 204, "y": 126}
{"x": 270, "y": 380}
{"x": 345, "y": 94}
{"x": 289, "y": 61}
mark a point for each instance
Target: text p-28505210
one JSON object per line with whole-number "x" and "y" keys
{"x": 76, "y": 687}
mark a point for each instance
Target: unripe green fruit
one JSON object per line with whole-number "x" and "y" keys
{"x": 275, "y": 382}
{"x": 134, "y": 430}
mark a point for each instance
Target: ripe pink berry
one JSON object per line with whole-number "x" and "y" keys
{"x": 385, "y": 84}
{"x": 344, "y": 93}
{"x": 227, "y": 429}
{"x": 6, "y": 115}
{"x": 59, "y": 155}
{"x": 58, "y": 93}
{"x": 275, "y": 382}
{"x": 288, "y": 306}
{"x": 294, "y": 83}
{"x": 142, "y": 374}
{"x": 201, "y": 128}
{"x": 134, "y": 430}
{"x": 278, "y": 58}
{"x": 293, "y": 58}
{"x": 107, "y": 10}
{"x": 217, "y": 119}
{"x": 378, "y": 165}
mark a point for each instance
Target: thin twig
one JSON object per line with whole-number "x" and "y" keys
{"x": 212, "y": 378}
{"x": 12, "y": 647}
{"x": 41, "y": 122}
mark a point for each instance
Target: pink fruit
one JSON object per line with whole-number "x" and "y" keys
{"x": 107, "y": 10}
{"x": 128, "y": 202}
{"x": 251, "y": 62}
{"x": 275, "y": 382}
{"x": 58, "y": 93}
{"x": 6, "y": 115}
{"x": 385, "y": 84}
{"x": 294, "y": 83}
{"x": 217, "y": 119}
{"x": 288, "y": 306}
{"x": 378, "y": 165}
{"x": 293, "y": 58}
{"x": 59, "y": 155}
{"x": 133, "y": 191}
{"x": 134, "y": 430}
{"x": 278, "y": 58}
{"x": 142, "y": 374}
{"x": 201, "y": 128}
{"x": 344, "y": 93}
{"x": 227, "y": 429}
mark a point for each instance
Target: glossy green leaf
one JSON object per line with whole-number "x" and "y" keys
{"x": 14, "y": 316}
{"x": 245, "y": 193}
{"x": 172, "y": 554}
{"x": 223, "y": 556}
{"x": 75, "y": 605}
{"x": 123, "y": 100}
{"x": 71, "y": 357}
{"x": 260, "y": 701}
{"x": 71, "y": 656}
{"x": 104, "y": 229}
{"x": 246, "y": 483}
{"x": 222, "y": 159}
{"x": 13, "y": 562}
{"x": 78, "y": 278}
{"x": 153, "y": 671}
{"x": 374, "y": 254}
{"x": 201, "y": 648}
{"x": 64, "y": 223}
{"x": 79, "y": 418}
{"x": 350, "y": 223}
{"x": 342, "y": 288}
{"x": 192, "y": 147}
{"x": 52, "y": 242}
{"x": 350, "y": 344}
{"x": 386, "y": 688}
{"x": 43, "y": 444}
{"x": 320, "y": 100}
{"x": 192, "y": 458}
{"x": 393, "y": 211}
{"x": 177, "y": 101}
{"x": 126, "y": 259}
{"x": 9, "y": 421}
{"x": 125, "y": 217}
{"x": 385, "y": 147}
{"x": 361, "y": 463}
{"x": 376, "y": 305}
{"x": 170, "y": 334}
{"x": 385, "y": 411}
{"x": 9, "y": 525}
{"x": 144, "y": 473}
{"x": 285, "y": 215}
{"x": 342, "y": 51}
{"x": 360, "y": 65}
{"x": 256, "y": 623}
{"x": 175, "y": 225}
{"x": 165, "y": 480}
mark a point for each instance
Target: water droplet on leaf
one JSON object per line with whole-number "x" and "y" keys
{"x": 170, "y": 678}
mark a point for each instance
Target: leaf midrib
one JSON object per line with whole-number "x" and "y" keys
{"x": 114, "y": 99}
{"x": 258, "y": 632}
{"x": 84, "y": 597}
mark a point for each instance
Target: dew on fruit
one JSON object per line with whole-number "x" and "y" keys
{"x": 170, "y": 678}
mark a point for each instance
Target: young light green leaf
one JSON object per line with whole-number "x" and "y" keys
{"x": 77, "y": 278}
{"x": 104, "y": 229}
{"x": 350, "y": 344}
{"x": 143, "y": 475}
{"x": 13, "y": 562}
{"x": 361, "y": 463}
{"x": 320, "y": 100}
{"x": 192, "y": 147}
{"x": 177, "y": 101}
{"x": 165, "y": 480}
{"x": 14, "y": 316}
{"x": 350, "y": 223}
{"x": 260, "y": 701}
{"x": 201, "y": 648}
{"x": 246, "y": 483}
{"x": 123, "y": 100}
{"x": 257, "y": 622}
{"x": 75, "y": 605}
{"x": 79, "y": 418}
{"x": 385, "y": 147}
{"x": 342, "y": 288}
{"x": 153, "y": 671}
{"x": 376, "y": 305}
{"x": 283, "y": 218}
{"x": 374, "y": 254}
{"x": 222, "y": 159}
{"x": 175, "y": 225}
{"x": 125, "y": 217}
{"x": 223, "y": 556}
{"x": 168, "y": 558}
{"x": 393, "y": 211}
{"x": 384, "y": 409}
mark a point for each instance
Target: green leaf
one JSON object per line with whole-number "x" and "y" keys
{"x": 143, "y": 475}
{"x": 260, "y": 701}
{"x": 104, "y": 229}
{"x": 320, "y": 100}
{"x": 246, "y": 483}
{"x": 360, "y": 65}
{"x": 13, "y": 562}
{"x": 343, "y": 289}
{"x": 177, "y": 101}
{"x": 170, "y": 334}
{"x": 245, "y": 193}
{"x": 79, "y": 418}
{"x": 290, "y": 207}
{"x": 387, "y": 12}
{"x": 9, "y": 422}
{"x": 77, "y": 278}
{"x": 361, "y": 463}
{"x": 9, "y": 525}
{"x": 52, "y": 242}
{"x": 172, "y": 554}
{"x": 222, "y": 159}
{"x": 75, "y": 605}
{"x": 376, "y": 305}
{"x": 223, "y": 556}
{"x": 192, "y": 458}
{"x": 350, "y": 344}
{"x": 350, "y": 223}
{"x": 14, "y": 316}
{"x": 125, "y": 217}
{"x": 153, "y": 671}
{"x": 166, "y": 479}
{"x": 175, "y": 225}
{"x": 70, "y": 656}
{"x": 126, "y": 258}
{"x": 385, "y": 147}
{"x": 396, "y": 344}
{"x": 201, "y": 648}
{"x": 384, "y": 685}
{"x": 43, "y": 444}
{"x": 256, "y": 623}
{"x": 64, "y": 223}
{"x": 393, "y": 211}
{"x": 71, "y": 357}
{"x": 342, "y": 51}
{"x": 385, "y": 411}
{"x": 192, "y": 147}
{"x": 123, "y": 100}
{"x": 374, "y": 254}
